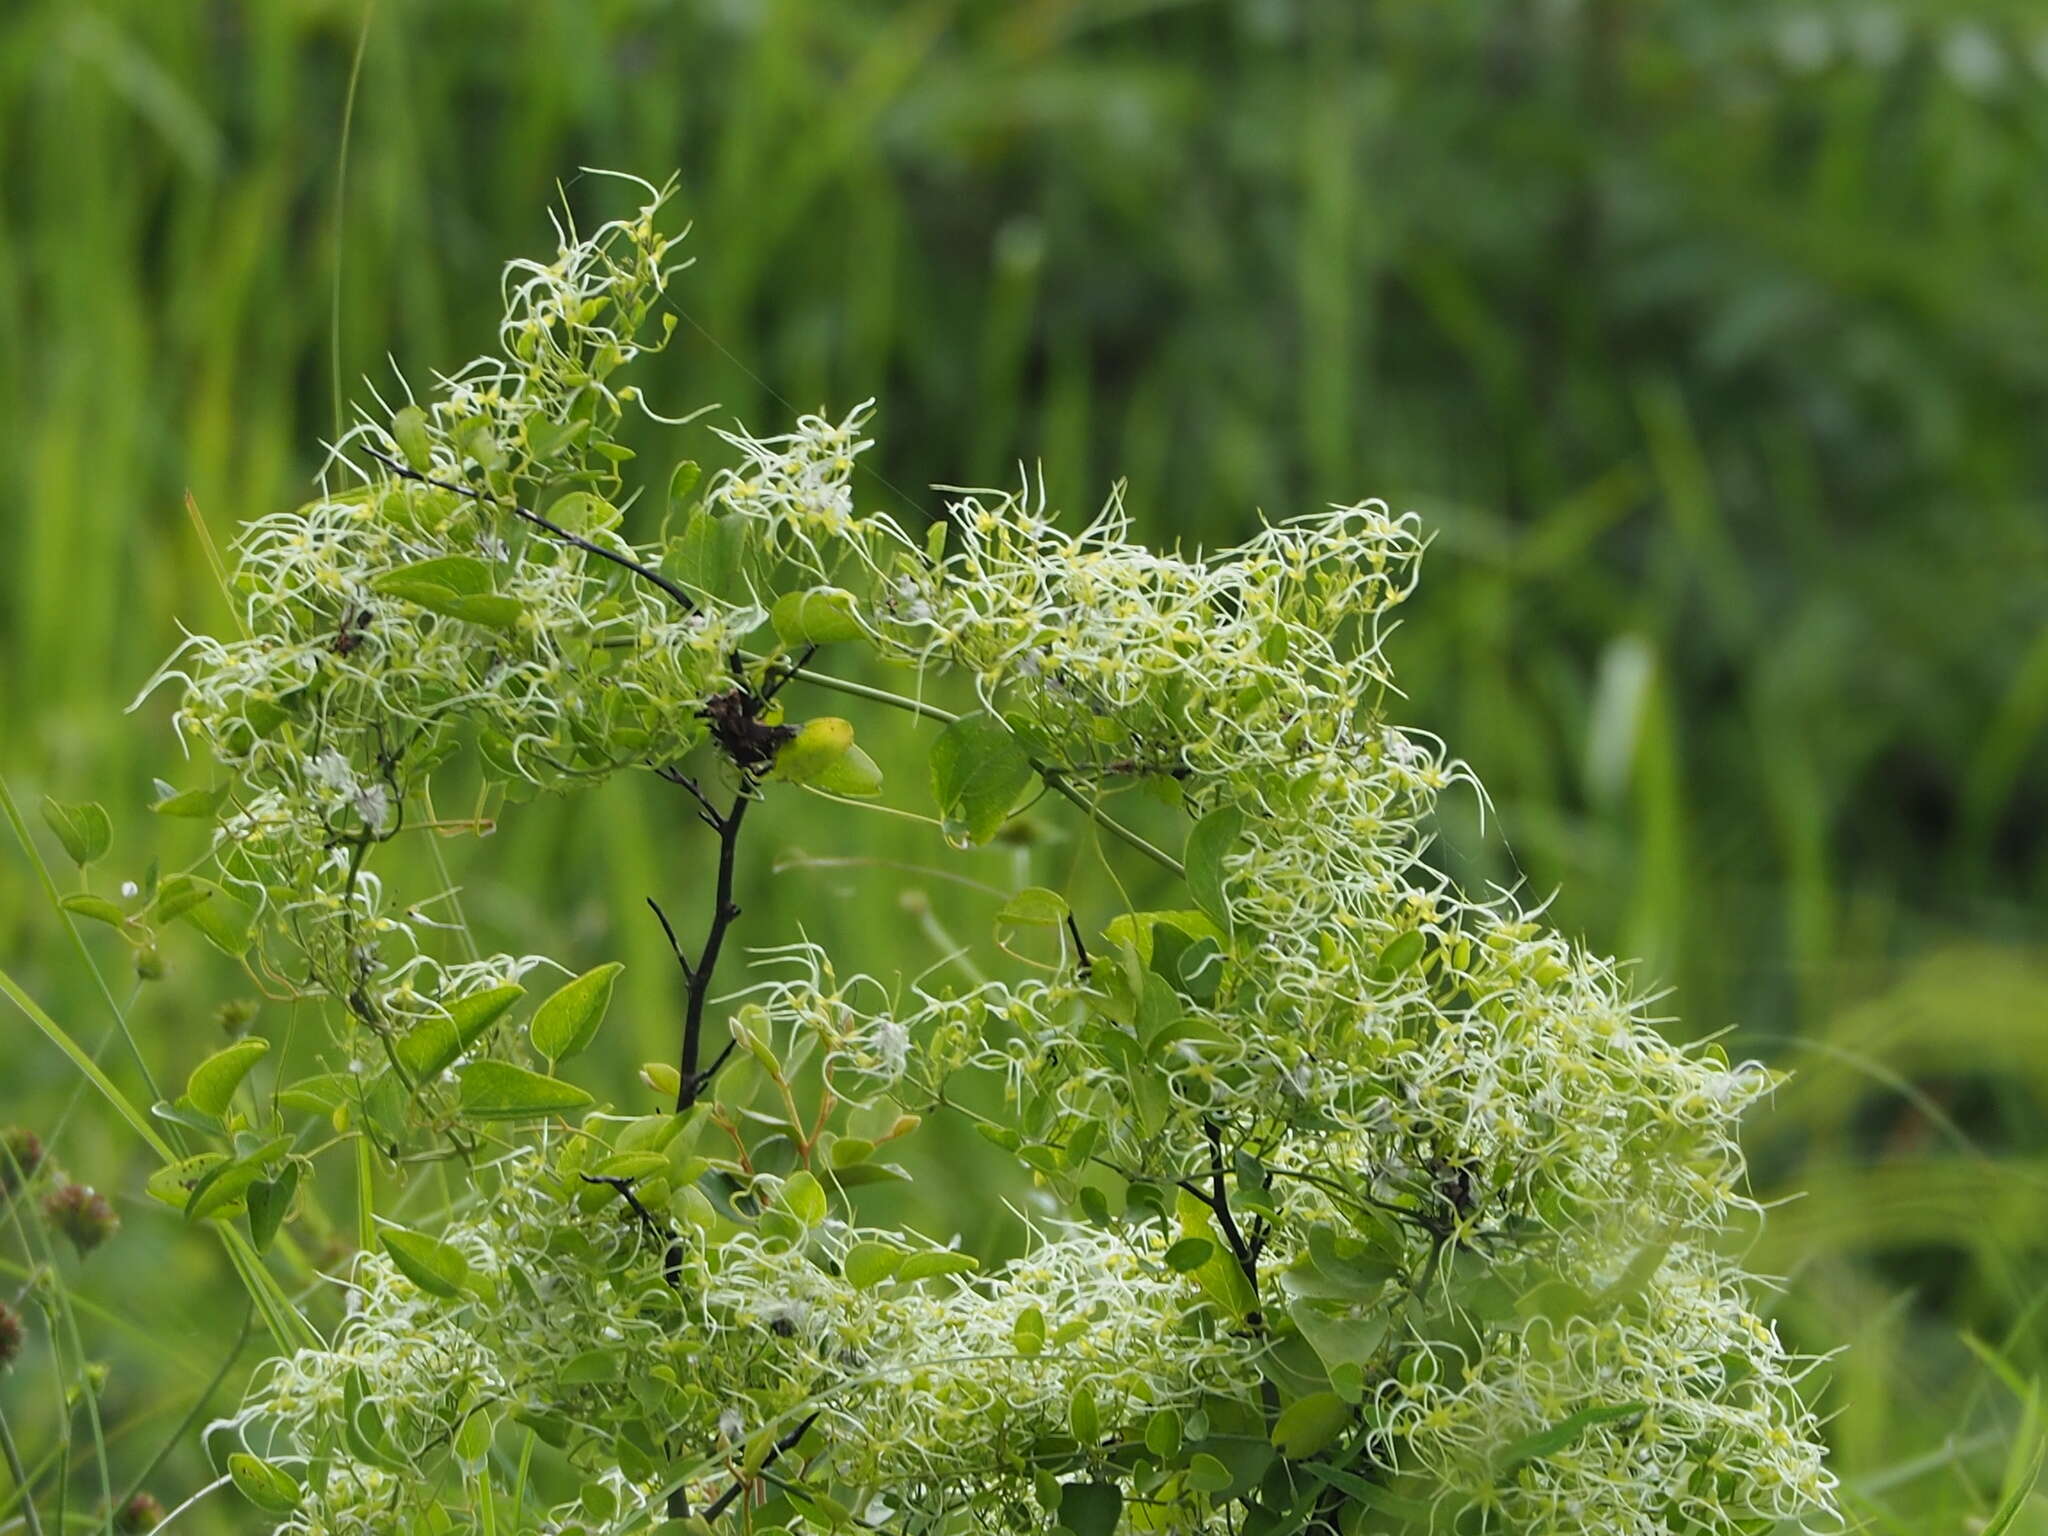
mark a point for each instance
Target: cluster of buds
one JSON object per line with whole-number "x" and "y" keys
{"x": 82, "y": 1214}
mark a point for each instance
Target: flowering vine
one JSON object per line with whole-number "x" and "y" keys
{"x": 1379, "y": 1208}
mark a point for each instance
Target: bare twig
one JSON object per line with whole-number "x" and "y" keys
{"x": 555, "y": 530}
{"x": 724, "y": 1501}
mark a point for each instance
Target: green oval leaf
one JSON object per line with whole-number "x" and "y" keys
{"x": 804, "y": 1197}
{"x": 816, "y": 746}
{"x": 1034, "y": 907}
{"x": 212, "y": 1085}
{"x": 409, "y": 431}
{"x": 438, "y": 1268}
{"x": 567, "y": 1022}
{"x": 459, "y": 586}
{"x": 224, "y": 919}
{"x": 1084, "y": 1419}
{"x": 867, "y": 1264}
{"x": 705, "y": 556}
{"x": 1189, "y": 1254}
{"x": 433, "y": 1044}
{"x": 221, "y": 1191}
{"x": 1402, "y": 951}
{"x": 268, "y": 1200}
{"x": 852, "y": 773}
{"x": 83, "y": 829}
{"x": 1027, "y": 1334}
{"x": 683, "y": 481}
{"x": 936, "y": 1261}
{"x": 270, "y": 1488}
{"x": 473, "y": 1439}
{"x": 1206, "y": 1474}
{"x": 174, "y": 1182}
{"x": 819, "y": 616}
{"x": 979, "y": 768}
{"x": 582, "y": 513}
{"x": 1209, "y": 841}
{"x": 193, "y": 804}
{"x": 497, "y": 1090}
{"x": 1308, "y": 1424}
{"x": 1546, "y": 1442}
{"x": 1091, "y": 1509}
{"x": 98, "y": 908}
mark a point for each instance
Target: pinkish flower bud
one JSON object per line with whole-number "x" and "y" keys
{"x": 21, "y": 1154}
{"x": 82, "y": 1214}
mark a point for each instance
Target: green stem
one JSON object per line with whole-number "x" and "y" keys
{"x": 28, "y": 847}
{"x": 31, "y": 1521}
{"x": 198, "y": 1407}
{"x": 1054, "y": 778}
{"x": 82, "y": 1059}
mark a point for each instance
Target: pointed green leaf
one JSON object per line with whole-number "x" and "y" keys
{"x": 1034, "y": 907}
{"x": 545, "y": 439}
{"x": 852, "y": 773}
{"x": 84, "y": 829}
{"x": 979, "y": 768}
{"x": 684, "y": 481}
{"x": 177, "y": 896}
{"x": 1084, "y": 1419}
{"x": 705, "y": 556}
{"x": 1402, "y": 951}
{"x": 175, "y": 1182}
{"x": 194, "y": 804}
{"x": 438, "y": 1268}
{"x": 567, "y": 1022}
{"x": 270, "y": 1488}
{"x": 98, "y": 908}
{"x": 497, "y": 1090}
{"x": 1189, "y": 1254}
{"x": 456, "y": 585}
{"x": 223, "y": 918}
{"x": 1209, "y": 842}
{"x": 1545, "y": 1442}
{"x": 268, "y": 1200}
{"x": 936, "y": 1261}
{"x": 415, "y": 444}
{"x": 212, "y": 1085}
{"x": 220, "y": 1191}
{"x": 1206, "y": 1474}
{"x": 582, "y": 513}
{"x": 432, "y": 1045}
{"x": 473, "y": 1440}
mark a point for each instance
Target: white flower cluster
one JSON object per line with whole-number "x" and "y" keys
{"x": 1375, "y": 1144}
{"x": 1385, "y": 1044}
{"x": 411, "y": 611}
{"x": 929, "y": 1392}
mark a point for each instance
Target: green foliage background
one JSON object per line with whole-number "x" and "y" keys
{"x": 1711, "y": 339}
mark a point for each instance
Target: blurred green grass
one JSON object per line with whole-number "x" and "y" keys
{"x": 1710, "y": 339}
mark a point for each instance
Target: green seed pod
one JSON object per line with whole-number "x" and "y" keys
{"x": 816, "y": 746}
